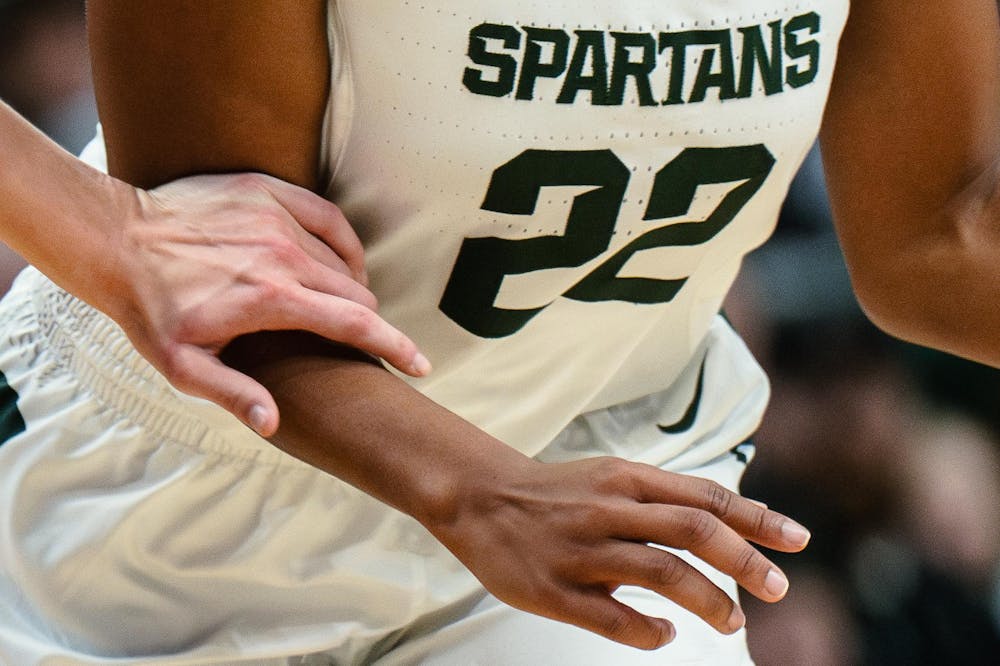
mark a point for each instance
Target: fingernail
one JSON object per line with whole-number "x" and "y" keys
{"x": 258, "y": 418}
{"x": 775, "y": 583}
{"x": 421, "y": 366}
{"x": 758, "y": 503}
{"x": 736, "y": 619}
{"x": 794, "y": 533}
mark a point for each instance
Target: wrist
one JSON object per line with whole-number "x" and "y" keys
{"x": 110, "y": 286}
{"x": 473, "y": 485}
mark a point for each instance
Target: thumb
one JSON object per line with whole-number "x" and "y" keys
{"x": 198, "y": 372}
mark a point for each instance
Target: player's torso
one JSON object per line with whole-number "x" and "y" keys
{"x": 555, "y": 196}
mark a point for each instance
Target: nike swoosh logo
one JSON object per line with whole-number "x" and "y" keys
{"x": 691, "y": 413}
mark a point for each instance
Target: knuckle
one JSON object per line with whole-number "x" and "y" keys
{"x": 349, "y": 239}
{"x": 748, "y": 562}
{"x": 670, "y": 571}
{"x": 770, "y": 523}
{"x": 248, "y": 181}
{"x": 611, "y": 474}
{"x": 272, "y": 222}
{"x": 284, "y": 250}
{"x": 273, "y": 292}
{"x": 663, "y": 634}
{"x": 698, "y": 528}
{"x": 335, "y": 211}
{"x": 718, "y": 500}
{"x": 186, "y": 327}
{"x": 624, "y": 627}
{"x": 718, "y": 608}
{"x": 369, "y": 300}
{"x": 764, "y": 523}
{"x": 344, "y": 286}
{"x": 403, "y": 347}
{"x": 176, "y": 370}
{"x": 619, "y": 625}
{"x": 576, "y": 564}
{"x": 595, "y": 512}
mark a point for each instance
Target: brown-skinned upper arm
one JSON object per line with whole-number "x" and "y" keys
{"x": 189, "y": 86}
{"x": 911, "y": 141}
{"x": 192, "y": 86}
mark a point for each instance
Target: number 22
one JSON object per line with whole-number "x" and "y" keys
{"x": 514, "y": 189}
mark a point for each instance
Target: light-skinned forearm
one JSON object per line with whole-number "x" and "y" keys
{"x": 58, "y": 213}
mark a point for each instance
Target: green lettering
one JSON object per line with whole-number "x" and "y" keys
{"x": 623, "y": 67}
{"x": 589, "y": 43}
{"x": 756, "y": 57}
{"x": 794, "y": 49}
{"x": 677, "y": 42}
{"x": 533, "y": 68}
{"x": 505, "y": 64}
{"x": 724, "y": 79}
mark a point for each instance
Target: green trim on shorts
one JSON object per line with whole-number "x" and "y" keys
{"x": 11, "y": 421}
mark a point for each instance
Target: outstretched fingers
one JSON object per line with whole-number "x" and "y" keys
{"x": 669, "y": 575}
{"x": 597, "y": 611}
{"x": 711, "y": 540}
{"x": 321, "y": 278}
{"x": 331, "y": 303}
{"x": 348, "y": 322}
{"x": 751, "y": 520}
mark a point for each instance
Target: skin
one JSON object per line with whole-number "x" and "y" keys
{"x": 910, "y": 142}
{"x": 185, "y": 268}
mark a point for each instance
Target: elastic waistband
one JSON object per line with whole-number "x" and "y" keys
{"x": 98, "y": 354}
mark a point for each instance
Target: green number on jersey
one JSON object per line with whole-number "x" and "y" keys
{"x": 514, "y": 189}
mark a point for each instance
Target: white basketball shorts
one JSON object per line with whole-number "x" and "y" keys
{"x": 142, "y": 526}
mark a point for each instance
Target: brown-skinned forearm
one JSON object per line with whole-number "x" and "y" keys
{"x": 537, "y": 535}
{"x": 345, "y": 414}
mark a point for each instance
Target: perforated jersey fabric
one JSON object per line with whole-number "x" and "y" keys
{"x": 555, "y": 197}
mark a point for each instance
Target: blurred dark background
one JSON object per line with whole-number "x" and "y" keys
{"x": 887, "y": 452}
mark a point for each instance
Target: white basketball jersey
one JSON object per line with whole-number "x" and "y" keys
{"x": 556, "y": 195}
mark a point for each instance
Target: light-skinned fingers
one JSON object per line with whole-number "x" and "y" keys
{"x": 324, "y": 220}
{"x": 670, "y": 576}
{"x": 197, "y": 372}
{"x": 325, "y": 255}
{"x": 321, "y": 278}
{"x": 750, "y": 520}
{"x": 714, "y": 542}
{"x": 352, "y": 324}
{"x": 599, "y": 612}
